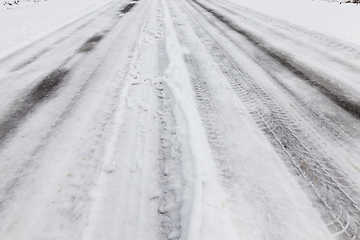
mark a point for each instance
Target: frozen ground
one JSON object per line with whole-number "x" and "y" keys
{"x": 179, "y": 119}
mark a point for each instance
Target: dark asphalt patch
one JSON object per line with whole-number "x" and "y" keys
{"x": 341, "y": 100}
{"x": 42, "y": 91}
{"x": 128, "y": 7}
{"x": 90, "y": 44}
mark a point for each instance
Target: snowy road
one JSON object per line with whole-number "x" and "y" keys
{"x": 180, "y": 119}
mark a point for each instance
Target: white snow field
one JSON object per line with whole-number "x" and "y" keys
{"x": 179, "y": 119}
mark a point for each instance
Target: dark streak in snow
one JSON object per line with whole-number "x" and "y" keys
{"x": 332, "y": 92}
{"x": 90, "y": 44}
{"x": 128, "y": 8}
{"x": 42, "y": 91}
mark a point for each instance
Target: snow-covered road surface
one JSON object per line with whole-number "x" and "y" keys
{"x": 180, "y": 119}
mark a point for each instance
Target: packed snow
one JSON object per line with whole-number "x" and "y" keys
{"x": 179, "y": 119}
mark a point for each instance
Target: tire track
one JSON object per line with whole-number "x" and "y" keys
{"x": 43, "y": 90}
{"x": 40, "y": 93}
{"x": 281, "y": 30}
{"x": 271, "y": 68}
{"x": 216, "y": 127}
{"x": 99, "y": 16}
{"x": 35, "y": 101}
{"x": 320, "y": 38}
{"x": 100, "y": 22}
{"x": 170, "y": 166}
{"x": 331, "y": 192}
{"x": 22, "y": 81}
{"x": 159, "y": 177}
{"x": 328, "y": 89}
{"x": 67, "y": 31}
{"x": 170, "y": 169}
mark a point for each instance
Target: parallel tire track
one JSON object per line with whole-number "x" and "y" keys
{"x": 271, "y": 67}
{"x": 70, "y": 29}
{"x": 45, "y": 88}
{"x": 35, "y": 99}
{"x": 346, "y": 103}
{"x": 257, "y": 18}
{"x": 335, "y": 197}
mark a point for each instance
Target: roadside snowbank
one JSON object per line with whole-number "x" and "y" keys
{"x": 329, "y": 18}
